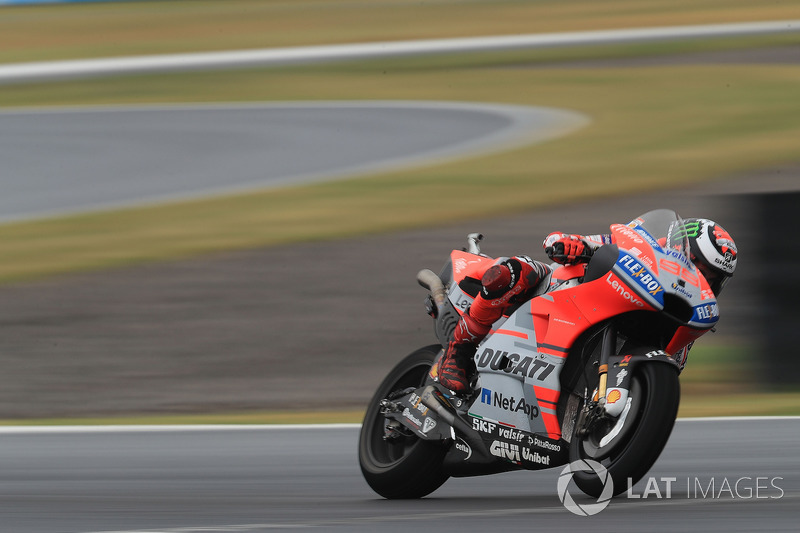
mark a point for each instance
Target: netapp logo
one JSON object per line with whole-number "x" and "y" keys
{"x": 512, "y": 404}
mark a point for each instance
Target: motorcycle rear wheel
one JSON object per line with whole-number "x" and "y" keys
{"x": 408, "y": 467}
{"x": 647, "y": 425}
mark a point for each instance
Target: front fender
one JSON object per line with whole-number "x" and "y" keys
{"x": 620, "y": 370}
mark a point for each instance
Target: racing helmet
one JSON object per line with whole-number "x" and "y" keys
{"x": 713, "y": 251}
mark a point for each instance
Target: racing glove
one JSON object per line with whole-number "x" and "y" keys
{"x": 568, "y": 249}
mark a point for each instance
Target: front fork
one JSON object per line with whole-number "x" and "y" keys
{"x": 614, "y": 382}
{"x": 606, "y": 404}
{"x": 608, "y": 347}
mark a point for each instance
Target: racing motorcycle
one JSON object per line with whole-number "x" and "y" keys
{"x": 583, "y": 370}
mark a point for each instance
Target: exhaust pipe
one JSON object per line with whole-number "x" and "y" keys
{"x": 428, "y": 279}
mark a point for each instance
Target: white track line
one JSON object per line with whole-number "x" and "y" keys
{"x": 19, "y": 430}
{"x": 18, "y": 72}
{"x": 157, "y": 428}
{"x": 738, "y": 418}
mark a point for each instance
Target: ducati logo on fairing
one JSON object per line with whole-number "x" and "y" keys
{"x": 516, "y": 364}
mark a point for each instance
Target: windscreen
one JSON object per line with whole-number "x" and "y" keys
{"x": 666, "y": 227}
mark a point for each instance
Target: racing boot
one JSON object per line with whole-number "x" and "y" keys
{"x": 457, "y": 366}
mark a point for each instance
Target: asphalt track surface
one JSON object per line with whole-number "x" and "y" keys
{"x": 59, "y": 161}
{"x": 728, "y": 476}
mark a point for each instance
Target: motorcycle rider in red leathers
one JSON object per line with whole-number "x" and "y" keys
{"x": 511, "y": 280}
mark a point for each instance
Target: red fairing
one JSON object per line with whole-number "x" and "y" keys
{"x": 571, "y": 311}
{"x": 467, "y": 265}
{"x": 567, "y": 272}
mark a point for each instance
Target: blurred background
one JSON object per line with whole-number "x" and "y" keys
{"x": 290, "y": 303}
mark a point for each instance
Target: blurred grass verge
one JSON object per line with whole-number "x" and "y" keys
{"x": 46, "y": 33}
{"x": 723, "y": 380}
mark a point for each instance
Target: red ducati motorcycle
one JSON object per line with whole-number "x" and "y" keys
{"x": 585, "y": 369}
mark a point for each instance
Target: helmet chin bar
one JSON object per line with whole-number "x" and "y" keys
{"x": 715, "y": 278}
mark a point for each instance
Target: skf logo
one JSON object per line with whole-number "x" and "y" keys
{"x": 483, "y": 426}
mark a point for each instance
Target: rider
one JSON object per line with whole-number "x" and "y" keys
{"x": 511, "y": 280}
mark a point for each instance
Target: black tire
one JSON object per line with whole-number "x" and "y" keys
{"x": 409, "y": 467}
{"x": 655, "y": 396}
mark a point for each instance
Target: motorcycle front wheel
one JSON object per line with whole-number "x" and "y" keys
{"x": 403, "y": 466}
{"x": 629, "y": 446}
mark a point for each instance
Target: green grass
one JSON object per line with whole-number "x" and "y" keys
{"x": 714, "y": 366}
{"x": 36, "y": 33}
{"x": 743, "y": 403}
